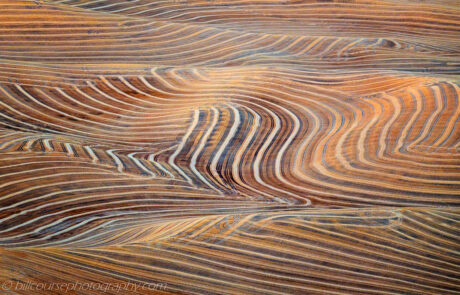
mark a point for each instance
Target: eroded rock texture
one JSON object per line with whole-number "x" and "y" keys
{"x": 230, "y": 147}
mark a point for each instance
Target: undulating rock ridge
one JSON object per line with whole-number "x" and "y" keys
{"x": 230, "y": 147}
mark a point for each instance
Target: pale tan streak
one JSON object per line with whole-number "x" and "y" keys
{"x": 453, "y": 120}
{"x": 223, "y": 146}
{"x": 429, "y": 121}
{"x": 171, "y": 160}
{"x": 404, "y": 133}
{"x": 235, "y": 170}
{"x": 201, "y": 146}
